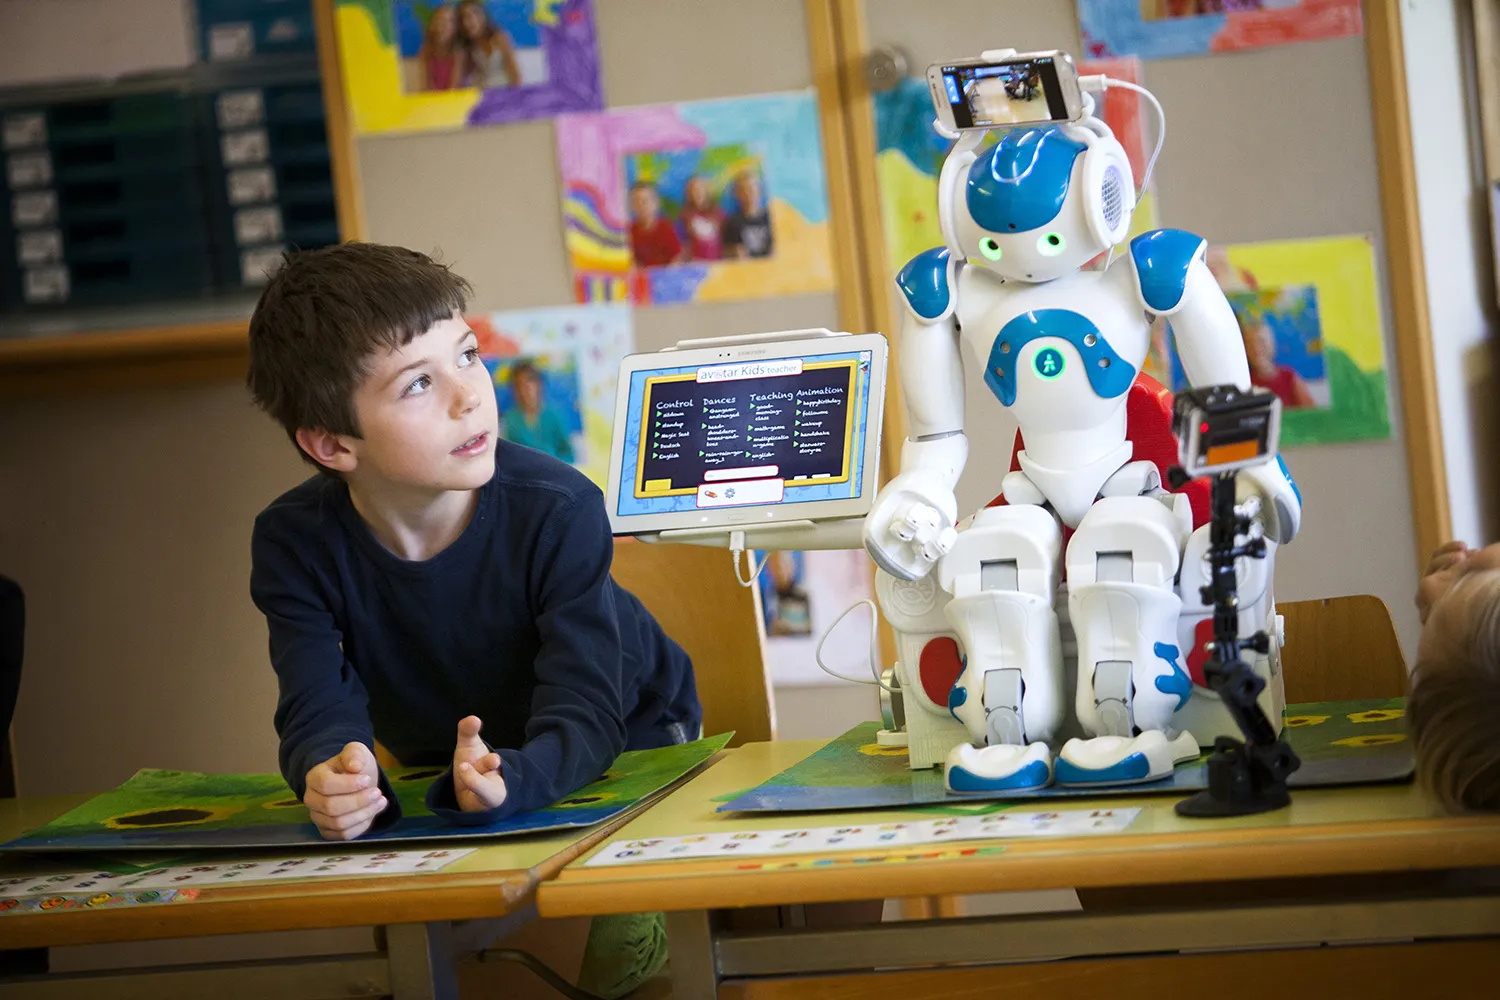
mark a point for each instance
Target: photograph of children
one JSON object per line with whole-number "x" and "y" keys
{"x": 697, "y": 205}
{"x": 1168, "y": 10}
{"x": 1006, "y": 94}
{"x": 1283, "y": 342}
{"x": 487, "y": 44}
{"x": 538, "y": 397}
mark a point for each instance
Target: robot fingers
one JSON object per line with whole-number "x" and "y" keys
{"x": 939, "y": 545}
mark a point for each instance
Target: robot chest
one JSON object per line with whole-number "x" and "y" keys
{"x": 1050, "y": 350}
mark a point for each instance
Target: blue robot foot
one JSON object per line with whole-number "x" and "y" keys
{"x": 1003, "y": 768}
{"x": 1119, "y": 760}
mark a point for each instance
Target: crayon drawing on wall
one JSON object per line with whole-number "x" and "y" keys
{"x": 1159, "y": 29}
{"x": 554, "y": 372}
{"x": 1309, "y": 317}
{"x": 700, "y": 202}
{"x": 802, "y": 594}
{"x": 910, "y": 156}
{"x": 413, "y": 66}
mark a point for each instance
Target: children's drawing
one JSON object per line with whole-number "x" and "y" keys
{"x": 412, "y": 66}
{"x": 700, "y": 202}
{"x": 554, "y": 372}
{"x": 1158, "y": 29}
{"x": 1309, "y": 314}
{"x": 802, "y": 594}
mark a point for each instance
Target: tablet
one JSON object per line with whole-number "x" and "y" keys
{"x": 759, "y": 431}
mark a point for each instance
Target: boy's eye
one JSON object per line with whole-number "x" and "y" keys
{"x": 418, "y": 385}
{"x": 471, "y": 355}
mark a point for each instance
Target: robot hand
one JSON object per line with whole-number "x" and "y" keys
{"x": 911, "y": 525}
{"x": 1280, "y": 501}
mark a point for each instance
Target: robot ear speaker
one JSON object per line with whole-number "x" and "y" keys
{"x": 1113, "y": 195}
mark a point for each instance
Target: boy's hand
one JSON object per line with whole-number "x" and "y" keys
{"x": 1438, "y": 576}
{"x": 476, "y": 770}
{"x": 342, "y": 794}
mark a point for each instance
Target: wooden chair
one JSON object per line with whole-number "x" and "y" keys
{"x": 1340, "y": 649}
{"x": 693, "y": 593}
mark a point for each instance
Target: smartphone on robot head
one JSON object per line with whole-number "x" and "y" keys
{"x": 1026, "y": 88}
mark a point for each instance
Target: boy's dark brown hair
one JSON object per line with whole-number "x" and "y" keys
{"x": 325, "y": 313}
{"x": 1453, "y": 711}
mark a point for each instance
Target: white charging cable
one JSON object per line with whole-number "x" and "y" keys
{"x": 737, "y": 546}
{"x": 874, "y": 648}
{"x": 1100, "y": 83}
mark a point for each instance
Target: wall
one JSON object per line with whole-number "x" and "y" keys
{"x": 127, "y": 515}
{"x": 1455, "y": 241}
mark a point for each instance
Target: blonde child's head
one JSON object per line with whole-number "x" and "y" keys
{"x": 1454, "y": 709}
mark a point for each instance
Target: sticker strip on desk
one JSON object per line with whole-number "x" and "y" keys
{"x": 1066, "y": 823}
{"x": 23, "y": 893}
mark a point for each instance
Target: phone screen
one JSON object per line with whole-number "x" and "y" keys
{"x": 988, "y": 95}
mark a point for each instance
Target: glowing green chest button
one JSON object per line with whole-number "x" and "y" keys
{"x": 1048, "y": 362}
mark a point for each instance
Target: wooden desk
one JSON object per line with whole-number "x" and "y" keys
{"x": 1340, "y": 866}
{"x": 414, "y": 912}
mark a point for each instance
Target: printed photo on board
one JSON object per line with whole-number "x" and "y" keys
{"x": 697, "y": 205}
{"x": 469, "y": 44}
{"x": 539, "y": 403}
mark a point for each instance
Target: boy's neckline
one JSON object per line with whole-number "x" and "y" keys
{"x": 379, "y": 550}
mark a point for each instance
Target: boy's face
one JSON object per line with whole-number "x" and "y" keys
{"x": 643, "y": 200}
{"x": 427, "y": 415}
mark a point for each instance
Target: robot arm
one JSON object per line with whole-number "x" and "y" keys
{"x": 910, "y": 526}
{"x": 1173, "y": 280}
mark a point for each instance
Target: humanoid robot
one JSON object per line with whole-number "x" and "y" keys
{"x": 1060, "y": 346}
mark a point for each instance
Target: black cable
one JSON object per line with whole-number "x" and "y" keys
{"x": 542, "y": 971}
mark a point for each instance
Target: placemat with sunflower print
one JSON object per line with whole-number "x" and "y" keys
{"x": 1340, "y": 743}
{"x": 174, "y": 810}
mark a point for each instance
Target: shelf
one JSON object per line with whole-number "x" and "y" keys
{"x": 204, "y": 344}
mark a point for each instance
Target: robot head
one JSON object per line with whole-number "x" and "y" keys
{"x": 1038, "y": 204}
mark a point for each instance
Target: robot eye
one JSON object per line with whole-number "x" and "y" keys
{"x": 1051, "y": 244}
{"x": 990, "y": 248}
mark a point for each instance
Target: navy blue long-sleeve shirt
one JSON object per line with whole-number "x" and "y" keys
{"x": 517, "y": 622}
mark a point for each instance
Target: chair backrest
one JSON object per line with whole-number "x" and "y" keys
{"x": 1340, "y": 649}
{"x": 693, "y": 593}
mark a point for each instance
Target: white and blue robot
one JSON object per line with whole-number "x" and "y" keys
{"x": 1084, "y": 531}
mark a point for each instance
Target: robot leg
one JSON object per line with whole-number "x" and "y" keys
{"x": 1122, "y": 600}
{"x": 927, "y": 664}
{"x": 1002, "y": 573}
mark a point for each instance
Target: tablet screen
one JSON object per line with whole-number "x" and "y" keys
{"x": 782, "y": 431}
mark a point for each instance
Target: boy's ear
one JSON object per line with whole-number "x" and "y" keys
{"x": 326, "y": 448}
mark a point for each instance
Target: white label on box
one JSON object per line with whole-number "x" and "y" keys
{"x": 46, "y": 284}
{"x": 240, "y": 108}
{"x": 29, "y": 170}
{"x": 257, "y": 265}
{"x": 34, "y": 208}
{"x": 250, "y": 185}
{"x": 231, "y": 41}
{"x": 25, "y": 130}
{"x": 242, "y": 148}
{"x": 257, "y": 225}
{"x": 39, "y": 246}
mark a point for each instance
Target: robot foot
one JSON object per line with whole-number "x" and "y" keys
{"x": 998, "y": 768}
{"x": 1119, "y": 760}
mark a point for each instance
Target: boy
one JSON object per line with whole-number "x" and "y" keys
{"x": 747, "y": 232}
{"x": 531, "y": 421}
{"x": 434, "y": 579}
{"x": 1454, "y": 709}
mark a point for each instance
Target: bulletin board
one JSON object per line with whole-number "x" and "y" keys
{"x": 1244, "y": 164}
{"x": 1268, "y": 144}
